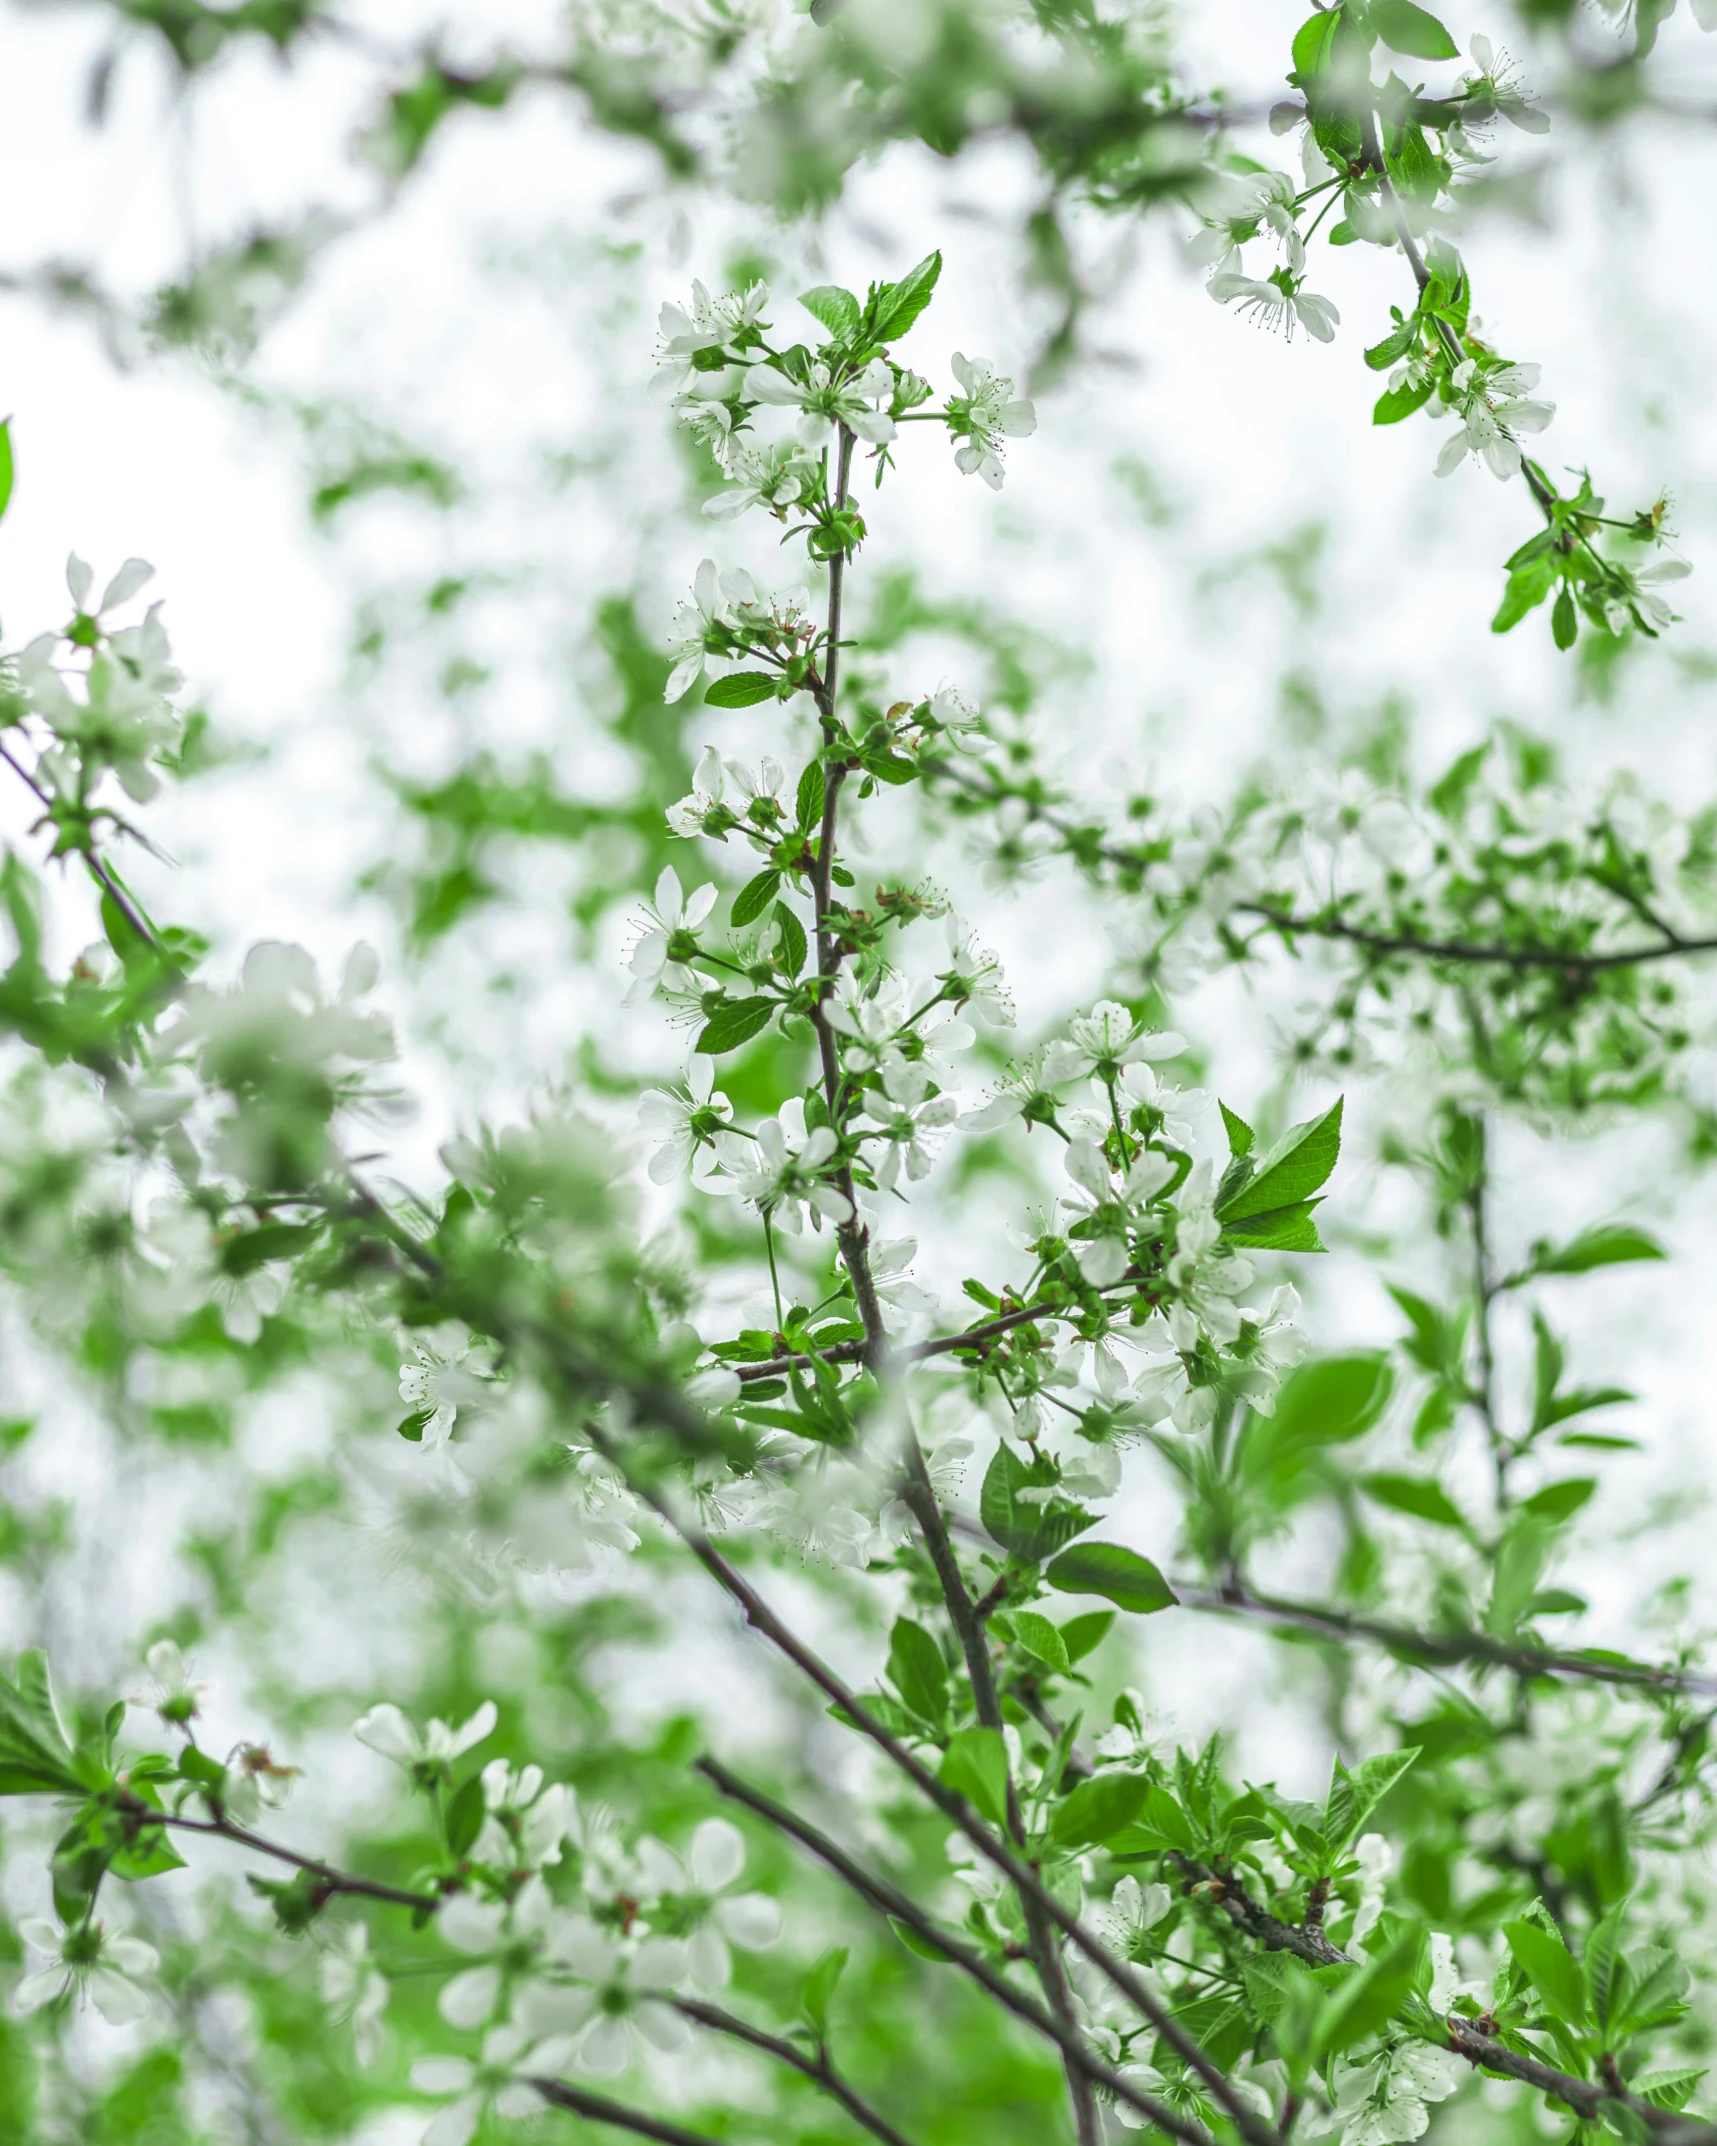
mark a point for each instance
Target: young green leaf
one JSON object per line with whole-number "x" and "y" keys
{"x": 1100, "y": 1809}
{"x": 835, "y": 309}
{"x": 7, "y": 466}
{"x": 1404, "y": 27}
{"x": 1038, "y": 1636}
{"x": 1550, "y": 1968}
{"x": 754, "y": 897}
{"x": 975, "y": 1766}
{"x": 917, "y": 1671}
{"x": 1413, "y": 1494}
{"x": 817, "y": 1992}
{"x": 1292, "y": 1171}
{"x": 1612, "y": 1244}
{"x": 897, "y": 305}
{"x": 1120, "y": 1575}
{"x": 741, "y": 689}
{"x": 734, "y": 1022}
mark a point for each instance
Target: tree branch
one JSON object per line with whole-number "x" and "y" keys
{"x": 333, "y": 1881}
{"x": 598, "y": 2109}
{"x": 1441, "y": 1649}
{"x": 818, "y": 2069}
{"x": 890, "y": 1901}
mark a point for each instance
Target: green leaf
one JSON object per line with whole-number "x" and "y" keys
{"x": 808, "y": 805}
{"x": 818, "y": 1990}
{"x": 1613, "y": 1244}
{"x": 1241, "y": 1138}
{"x": 1313, "y": 43}
{"x": 1367, "y": 2001}
{"x": 742, "y": 689}
{"x": 1383, "y": 355}
{"x": 910, "y": 1938}
{"x": 7, "y": 466}
{"x": 896, "y": 306}
{"x": 975, "y": 1766}
{"x": 1038, "y": 1636}
{"x": 465, "y": 1817}
{"x": 1162, "y": 1824}
{"x": 1406, "y": 28}
{"x": 34, "y": 1754}
{"x": 1100, "y": 1809}
{"x": 1550, "y": 1968}
{"x": 1283, "y": 1229}
{"x": 1395, "y": 403}
{"x": 1527, "y": 588}
{"x": 917, "y": 1671}
{"x": 1558, "y": 1502}
{"x": 1564, "y": 620}
{"x": 1029, "y": 1528}
{"x": 1415, "y": 1495}
{"x": 1082, "y": 1635}
{"x": 1354, "y": 1796}
{"x": 1332, "y": 1399}
{"x": 1293, "y": 1169}
{"x": 412, "y": 1427}
{"x": 791, "y": 946}
{"x": 734, "y": 1022}
{"x": 1122, "y": 1576}
{"x": 754, "y": 897}
{"x": 837, "y": 310}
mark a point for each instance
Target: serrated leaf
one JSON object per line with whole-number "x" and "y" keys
{"x": 1029, "y": 1525}
{"x": 1283, "y": 1229}
{"x": 1353, "y": 1796}
{"x": 1038, "y": 1636}
{"x": 837, "y": 310}
{"x": 1404, "y": 27}
{"x": 791, "y": 945}
{"x": 1292, "y": 1171}
{"x": 1383, "y": 355}
{"x": 741, "y": 689}
{"x": 754, "y": 897}
{"x": 975, "y": 1766}
{"x": 1121, "y": 1576}
{"x": 808, "y": 805}
{"x": 897, "y": 305}
{"x": 732, "y": 1024}
{"x": 1241, "y": 1138}
{"x": 34, "y": 1754}
{"x": 1313, "y": 43}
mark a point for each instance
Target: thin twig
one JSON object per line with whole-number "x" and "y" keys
{"x": 890, "y": 1901}
{"x": 333, "y": 1881}
{"x": 818, "y": 2069}
{"x": 598, "y": 2109}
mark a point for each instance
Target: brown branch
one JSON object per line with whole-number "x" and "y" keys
{"x": 852, "y": 1352}
{"x": 598, "y": 2109}
{"x": 890, "y": 1901}
{"x": 1441, "y": 1649}
{"x": 818, "y": 2069}
{"x": 332, "y": 1881}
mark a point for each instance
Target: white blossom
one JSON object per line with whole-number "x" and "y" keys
{"x": 904, "y": 1115}
{"x": 101, "y": 1966}
{"x": 354, "y": 1988}
{"x": 170, "y": 1691}
{"x": 385, "y": 1729}
{"x": 703, "y": 1884}
{"x": 498, "y": 2080}
{"x": 1277, "y": 304}
{"x": 712, "y": 598}
{"x": 672, "y": 912}
{"x": 1493, "y": 406}
{"x": 683, "y": 1119}
{"x": 983, "y": 416}
{"x": 782, "y": 1175}
{"x": 823, "y": 402}
{"x": 1106, "y": 1038}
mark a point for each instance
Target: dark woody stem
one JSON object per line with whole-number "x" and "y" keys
{"x": 329, "y": 1880}
{"x": 819, "y": 2069}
